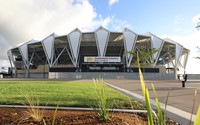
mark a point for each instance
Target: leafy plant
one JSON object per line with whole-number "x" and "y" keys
{"x": 101, "y": 99}
{"x": 161, "y": 119}
{"x": 164, "y": 117}
{"x": 146, "y": 95}
{"x": 197, "y": 120}
{"x": 195, "y": 94}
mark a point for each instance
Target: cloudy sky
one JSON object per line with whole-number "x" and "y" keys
{"x": 23, "y": 20}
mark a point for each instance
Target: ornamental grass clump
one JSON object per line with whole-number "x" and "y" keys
{"x": 33, "y": 110}
{"x": 160, "y": 118}
{"x": 102, "y": 109}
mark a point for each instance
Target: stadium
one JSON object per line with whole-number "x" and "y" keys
{"x": 91, "y": 54}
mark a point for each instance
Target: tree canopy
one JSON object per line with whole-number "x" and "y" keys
{"x": 145, "y": 55}
{"x": 198, "y": 50}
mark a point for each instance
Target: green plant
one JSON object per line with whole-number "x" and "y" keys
{"x": 166, "y": 105}
{"x": 161, "y": 119}
{"x": 159, "y": 116}
{"x": 195, "y": 94}
{"x": 146, "y": 95}
{"x": 101, "y": 99}
{"x": 197, "y": 120}
{"x": 33, "y": 111}
{"x": 54, "y": 117}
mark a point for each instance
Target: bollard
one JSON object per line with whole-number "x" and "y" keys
{"x": 183, "y": 83}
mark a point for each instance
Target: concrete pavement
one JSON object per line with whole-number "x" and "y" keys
{"x": 181, "y": 98}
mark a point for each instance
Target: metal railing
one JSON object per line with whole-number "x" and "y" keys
{"x": 109, "y": 75}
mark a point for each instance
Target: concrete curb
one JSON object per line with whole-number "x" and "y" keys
{"x": 175, "y": 114}
{"x": 72, "y": 108}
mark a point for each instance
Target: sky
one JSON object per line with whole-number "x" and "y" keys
{"x": 23, "y": 20}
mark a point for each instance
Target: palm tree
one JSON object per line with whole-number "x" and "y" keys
{"x": 198, "y": 25}
{"x": 145, "y": 55}
{"x": 198, "y": 50}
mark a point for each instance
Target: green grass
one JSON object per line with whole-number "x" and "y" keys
{"x": 69, "y": 94}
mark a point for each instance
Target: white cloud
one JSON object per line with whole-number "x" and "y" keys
{"x": 196, "y": 18}
{"x": 23, "y": 20}
{"x": 111, "y": 2}
{"x": 4, "y": 63}
{"x": 116, "y": 24}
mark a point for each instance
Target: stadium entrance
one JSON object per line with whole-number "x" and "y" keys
{"x": 102, "y": 64}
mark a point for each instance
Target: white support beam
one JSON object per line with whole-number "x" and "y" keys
{"x": 74, "y": 39}
{"x": 70, "y": 56}
{"x": 48, "y": 46}
{"x": 102, "y": 37}
{"x": 129, "y": 44}
{"x": 23, "y": 49}
{"x": 11, "y": 59}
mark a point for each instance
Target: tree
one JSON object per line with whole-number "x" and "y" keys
{"x": 145, "y": 55}
{"x": 198, "y": 50}
{"x": 198, "y": 25}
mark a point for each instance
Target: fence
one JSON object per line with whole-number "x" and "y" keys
{"x": 31, "y": 75}
{"x": 113, "y": 75}
{"x": 193, "y": 76}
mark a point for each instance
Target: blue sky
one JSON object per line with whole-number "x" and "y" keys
{"x": 23, "y": 20}
{"x": 159, "y": 17}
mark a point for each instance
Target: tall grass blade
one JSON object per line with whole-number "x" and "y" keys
{"x": 44, "y": 122}
{"x": 195, "y": 94}
{"x": 61, "y": 122}
{"x": 146, "y": 95}
{"x": 197, "y": 120}
{"x": 160, "y": 114}
{"x": 148, "y": 106}
{"x": 101, "y": 99}
{"x": 54, "y": 115}
{"x": 141, "y": 76}
{"x": 166, "y": 102}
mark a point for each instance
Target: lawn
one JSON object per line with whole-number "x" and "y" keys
{"x": 64, "y": 93}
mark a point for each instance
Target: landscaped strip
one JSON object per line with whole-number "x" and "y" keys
{"x": 64, "y": 93}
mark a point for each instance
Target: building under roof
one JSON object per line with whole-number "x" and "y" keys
{"x": 98, "y": 51}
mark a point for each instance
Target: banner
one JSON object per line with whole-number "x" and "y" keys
{"x": 101, "y": 59}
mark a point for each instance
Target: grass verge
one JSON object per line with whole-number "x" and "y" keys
{"x": 68, "y": 93}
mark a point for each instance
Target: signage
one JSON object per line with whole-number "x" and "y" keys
{"x": 101, "y": 59}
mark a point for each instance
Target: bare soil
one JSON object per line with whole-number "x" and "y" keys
{"x": 18, "y": 116}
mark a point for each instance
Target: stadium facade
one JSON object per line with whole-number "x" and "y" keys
{"x": 95, "y": 52}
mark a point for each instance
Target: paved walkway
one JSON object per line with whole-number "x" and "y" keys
{"x": 181, "y": 98}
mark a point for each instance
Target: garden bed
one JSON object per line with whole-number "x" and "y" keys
{"x": 20, "y": 116}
